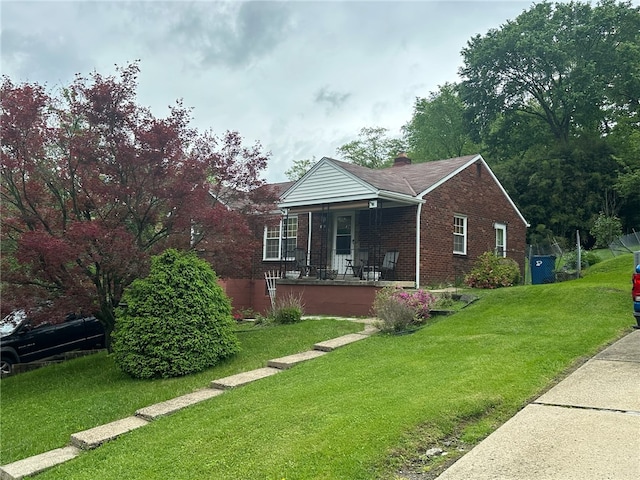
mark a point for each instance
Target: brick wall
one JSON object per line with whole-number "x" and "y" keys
{"x": 474, "y": 194}
{"x": 247, "y": 294}
{"x": 392, "y": 229}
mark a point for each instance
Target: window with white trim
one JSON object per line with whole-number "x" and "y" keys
{"x": 281, "y": 240}
{"x": 460, "y": 234}
{"x": 501, "y": 239}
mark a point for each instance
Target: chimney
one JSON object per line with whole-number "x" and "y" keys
{"x": 401, "y": 160}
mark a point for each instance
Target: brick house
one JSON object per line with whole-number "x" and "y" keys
{"x": 427, "y": 223}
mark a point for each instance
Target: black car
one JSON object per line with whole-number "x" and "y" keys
{"x": 20, "y": 342}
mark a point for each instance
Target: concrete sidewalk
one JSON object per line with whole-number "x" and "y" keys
{"x": 585, "y": 428}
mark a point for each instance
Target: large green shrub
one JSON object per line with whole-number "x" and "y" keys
{"x": 174, "y": 322}
{"x": 492, "y": 271}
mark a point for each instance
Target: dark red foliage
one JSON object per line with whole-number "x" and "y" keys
{"x": 93, "y": 183}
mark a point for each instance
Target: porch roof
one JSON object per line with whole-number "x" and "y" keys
{"x": 334, "y": 181}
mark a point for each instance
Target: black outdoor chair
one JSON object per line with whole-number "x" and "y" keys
{"x": 361, "y": 262}
{"x": 300, "y": 256}
{"x": 388, "y": 267}
{"x": 357, "y": 266}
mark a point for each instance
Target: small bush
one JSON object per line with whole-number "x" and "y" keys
{"x": 445, "y": 301}
{"x": 398, "y": 310}
{"x": 174, "y": 322}
{"x": 289, "y": 309}
{"x": 605, "y": 229}
{"x": 587, "y": 259}
{"x": 244, "y": 314}
{"x": 491, "y": 271}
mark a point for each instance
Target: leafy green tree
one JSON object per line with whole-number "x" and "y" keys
{"x": 606, "y": 228}
{"x": 175, "y": 321}
{"x": 554, "y": 95}
{"x": 437, "y": 128}
{"x": 574, "y": 66}
{"x": 299, "y": 168}
{"x": 561, "y": 188}
{"x": 625, "y": 138}
{"x": 372, "y": 149}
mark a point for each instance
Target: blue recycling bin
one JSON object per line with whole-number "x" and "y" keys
{"x": 543, "y": 269}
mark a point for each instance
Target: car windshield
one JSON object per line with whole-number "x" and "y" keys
{"x": 12, "y": 321}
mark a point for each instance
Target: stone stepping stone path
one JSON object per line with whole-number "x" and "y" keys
{"x": 94, "y": 437}
{"x": 331, "y": 345}
{"x": 243, "y": 378}
{"x": 38, "y": 463}
{"x": 292, "y": 360}
{"x": 170, "y": 406}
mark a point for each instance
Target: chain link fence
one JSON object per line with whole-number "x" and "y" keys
{"x": 564, "y": 258}
{"x": 625, "y": 244}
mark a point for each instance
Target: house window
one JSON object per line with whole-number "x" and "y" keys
{"x": 460, "y": 234}
{"x": 501, "y": 239}
{"x": 281, "y": 240}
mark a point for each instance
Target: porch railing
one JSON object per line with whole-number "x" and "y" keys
{"x": 359, "y": 263}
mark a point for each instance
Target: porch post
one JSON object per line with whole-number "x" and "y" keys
{"x": 418, "y": 226}
{"x": 284, "y": 223}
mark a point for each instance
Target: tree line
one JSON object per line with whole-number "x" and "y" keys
{"x": 552, "y": 101}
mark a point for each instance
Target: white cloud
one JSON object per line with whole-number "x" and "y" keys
{"x": 300, "y": 77}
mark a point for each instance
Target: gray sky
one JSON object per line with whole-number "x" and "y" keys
{"x": 300, "y": 77}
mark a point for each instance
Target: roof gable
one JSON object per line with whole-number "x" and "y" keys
{"x": 327, "y": 182}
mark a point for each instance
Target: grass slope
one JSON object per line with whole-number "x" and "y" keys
{"x": 342, "y": 415}
{"x": 42, "y": 408}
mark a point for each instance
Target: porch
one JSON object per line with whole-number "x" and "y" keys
{"x": 348, "y": 217}
{"x": 349, "y": 243}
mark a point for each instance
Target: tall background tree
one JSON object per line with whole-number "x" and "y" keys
{"x": 372, "y": 149}
{"x": 299, "y": 168}
{"x": 553, "y": 95}
{"x": 437, "y": 129}
{"x": 92, "y": 184}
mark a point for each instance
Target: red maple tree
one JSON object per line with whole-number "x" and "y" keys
{"x": 92, "y": 184}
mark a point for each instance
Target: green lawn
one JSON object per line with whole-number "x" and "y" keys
{"x": 340, "y": 416}
{"x": 42, "y": 408}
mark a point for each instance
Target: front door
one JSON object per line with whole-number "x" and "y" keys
{"x": 343, "y": 227}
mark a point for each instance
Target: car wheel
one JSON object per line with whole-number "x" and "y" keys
{"x": 6, "y": 366}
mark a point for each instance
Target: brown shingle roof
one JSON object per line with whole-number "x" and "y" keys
{"x": 407, "y": 179}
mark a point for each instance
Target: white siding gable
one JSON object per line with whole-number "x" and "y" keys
{"x": 326, "y": 183}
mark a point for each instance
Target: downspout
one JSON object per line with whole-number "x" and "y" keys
{"x": 418, "y": 216}
{"x": 309, "y": 240}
